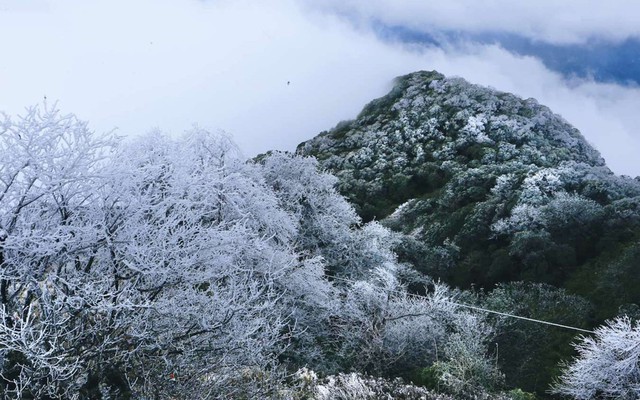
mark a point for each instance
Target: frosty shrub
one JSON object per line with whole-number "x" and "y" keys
{"x": 607, "y": 365}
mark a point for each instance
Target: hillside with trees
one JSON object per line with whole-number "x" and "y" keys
{"x": 498, "y": 194}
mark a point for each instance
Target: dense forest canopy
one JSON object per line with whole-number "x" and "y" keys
{"x": 361, "y": 267}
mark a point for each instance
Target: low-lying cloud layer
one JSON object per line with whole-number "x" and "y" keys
{"x": 271, "y": 73}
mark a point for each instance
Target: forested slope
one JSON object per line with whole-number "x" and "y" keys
{"x": 490, "y": 189}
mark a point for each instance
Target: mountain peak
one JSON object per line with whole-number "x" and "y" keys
{"x": 426, "y": 106}
{"x": 429, "y": 128}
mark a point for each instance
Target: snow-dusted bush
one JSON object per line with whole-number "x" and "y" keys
{"x": 607, "y": 365}
{"x": 356, "y": 386}
{"x": 466, "y": 369}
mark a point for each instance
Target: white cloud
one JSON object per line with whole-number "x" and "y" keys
{"x": 225, "y": 64}
{"x": 566, "y": 21}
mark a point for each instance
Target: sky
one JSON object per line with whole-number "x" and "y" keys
{"x": 273, "y": 73}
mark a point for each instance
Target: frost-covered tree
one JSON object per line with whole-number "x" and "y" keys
{"x": 383, "y": 330}
{"x": 325, "y": 220}
{"x": 466, "y": 368}
{"x": 158, "y": 271}
{"x": 607, "y": 365}
{"x": 206, "y": 247}
{"x": 51, "y": 234}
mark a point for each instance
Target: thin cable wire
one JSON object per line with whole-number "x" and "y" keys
{"x": 480, "y": 309}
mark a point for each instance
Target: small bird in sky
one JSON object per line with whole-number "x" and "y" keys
{"x": 288, "y": 83}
